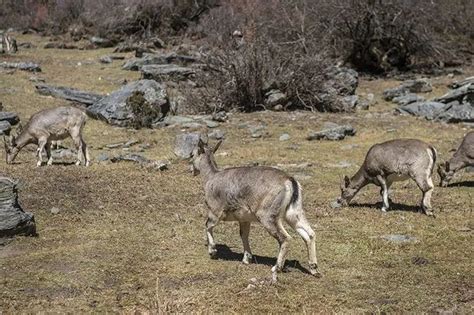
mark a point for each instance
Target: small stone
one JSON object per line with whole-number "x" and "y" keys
{"x": 278, "y": 108}
{"x": 217, "y": 134}
{"x": 211, "y": 123}
{"x": 335, "y": 204}
{"x": 54, "y": 210}
{"x": 285, "y": 137}
{"x": 102, "y": 157}
{"x": 105, "y": 59}
{"x": 220, "y": 116}
{"x": 257, "y": 134}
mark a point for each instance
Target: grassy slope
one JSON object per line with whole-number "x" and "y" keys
{"x": 130, "y": 239}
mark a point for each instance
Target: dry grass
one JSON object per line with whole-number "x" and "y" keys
{"x": 128, "y": 239}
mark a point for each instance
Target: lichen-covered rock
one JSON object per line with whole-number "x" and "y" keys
{"x": 13, "y": 220}
{"x": 115, "y": 109}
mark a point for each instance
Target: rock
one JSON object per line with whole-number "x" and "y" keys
{"x": 343, "y": 80}
{"x": 5, "y": 127}
{"x": 25, "y": 66}
{"x": 186, "y": 143}
{"x": 211, "y": 123}
{"x": 284, "y": 137}
{"x": 407, "y": 99}
{"x": 142, "y": 161}
{"x": 105, "y": 59}
{"x": 456, "y": 113}
{"x": 278, "y": 108}
{"x": 341, "y": 164}
{"x": 115, "y": 109}
{"x": 9, "y": 117}
{"x": 410, "y": 86}
{"x": 466, "y": 81}
{"x": 335, "y": 204}
{"x": 69, "y": 94}
{"x": 36, "y": 79}
{"x": 220, "y": 116}
{"x": 101, "y": 42}
{"x": 429, "y": 110}
{"x": 13, "y": 220}
{"x": 419, "y": 261}
{"x": 333, "y": 133}
{"x": 340, "y": 82}
{"x": 167, "y": 72}
{"x": 59, "y": 45}
{"x": 399, "y": 238}
{"x": 102, "y": 157}
{"x": 54, "y": 210}
{"x": 192, "y": 125}
{"x": 465, "y": 92}
{"x": 216, "y": 134}
{"x": 157, "y": 59}
{"x": 350, "y": 101}
{"x": 274, "y": 97}
{"x": 177, "y": 120}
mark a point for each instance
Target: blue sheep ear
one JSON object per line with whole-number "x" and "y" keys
{"x": 347, "y": 181}
{"x": 217, "y": 146}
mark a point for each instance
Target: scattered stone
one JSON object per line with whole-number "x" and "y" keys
{"x": 410, "y": 86}
{"x": 333, "y": 133}
{"x": 59, "y": 45}
{"x": 407, "y": 99}
{"x": 36, "y": 79}
{"x": 167, "y": 72}
{"x": 186, "y": 143}
{"x": 284, "y": 137}
{"x": 211, "y": 123}
{"x": 274, "y": 97}
{"x": 278, "y": 108}
{"x": 105, "y": 59}
{"x": 399, "y": 238}
{"x": 13, "y": 220}
{"x": 429, "y": 110}
{"x": 257, "y": 134}
{"x": 25, "y": 66}
{"x": 115, "y": 109}
{"x": 9, "y": 117}
{"x": 101, "y": 42}
{"x": 5, "y": 127}
{"x": 158, "y": 59}
{"x": 142, "y": 161}
{"x": 216, "y": 134}
{"x": 341, "y": 164}
{"x": 335, "y": 204}
{"x": 55, "y": 210}
{"x": 102, "y": 157}
{"x": 69, "y": 94}
{"x": 220, "y": 116}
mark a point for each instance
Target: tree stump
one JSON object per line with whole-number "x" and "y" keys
{"x": 13, "y": 220}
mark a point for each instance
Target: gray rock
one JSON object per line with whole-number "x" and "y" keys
{"x": 142, "y": 161}
{"x": 429, "y": 110}
{"x": 105, "y": 59}
{"x": 192, "y": 125}
{"x": 157, "y": 59}
{"x": 456, "y": 113}
{"x": 36, "y": 79}
{"x": 407, "y": 99}
{"x": 410, "y": 86}
{"x": 186, "y": 143}
{"x": 54, "y": 210}
{"x": 101, "y": 42}
{"x": 274, "y": 97}
{"x": 211, "y": 123}
{"x": 285, "y": 137}
{"x": 399, "y": 238}
{"x": 114, "y": 109}
{"x": 5, "y": 127}
{"x": 216, "y": 134}
{"x": 9, "y": 117}
{"x": 340, "y": 83}
{"x": 256, "y": 128}
{"x": 102, "y": 157}
{"x": 278, "y": 108}
{"x": 256, "y": 134}
{"x": 13, "y": 220}
{"x": 167, "y": 72}
{"x": 24, "y": 66}
{"x": 460, "y": 94}
{"x": 220, "y": 116}
{"x": 69, "y": 94}
{"x": 466, "y": 81}
{"x": 333, "y": 133}
{"x": 350, "y": 101}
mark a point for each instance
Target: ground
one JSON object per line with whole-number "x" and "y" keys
{"x": 131, "y": 239}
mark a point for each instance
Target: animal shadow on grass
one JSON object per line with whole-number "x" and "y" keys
{"x": 225, "y": 253}
{"x": 393, "y": 206}
{"x": 466, "y": 183}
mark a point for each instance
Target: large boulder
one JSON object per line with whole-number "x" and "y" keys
{"x": 429, "y": 110}
{"x": 25, "y": 66}
{"x": 13, "y": 220}
{"x": 69, "y": 94}
{"x": 115, "y": 109}
{"x": 339, "y": 90}
{"x": 456, "y": 113}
